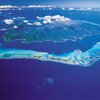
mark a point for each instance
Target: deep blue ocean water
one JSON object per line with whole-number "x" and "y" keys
{"x": 29, "y": 79}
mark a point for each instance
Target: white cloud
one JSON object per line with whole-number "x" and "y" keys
{"x": 50, "y": 8}
{"x": 15, "y": 26}
{"x": 52, "y": 19}
{"x": 43, "y": 7}
{"x": 25, "y": 21}
{"x": 29, "y": 23}
{"x": 63, "y": 8}
{"x": 81, "y": 8}
{"x": 89, "y": 8}
{"x": 40, "y": 20}
{"x": 21, "y": 17}
{"x": 7, "y": 6}
{"x": 71, "y": 8}
{"x": 8, "y": 21}
{"x": 38, "y": 6}
{"x": 37, "y": 23}
{"x": 45, "y": 22}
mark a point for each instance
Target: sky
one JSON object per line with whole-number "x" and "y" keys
{"x": 66, "y": 3}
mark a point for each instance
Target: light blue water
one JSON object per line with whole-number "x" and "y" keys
{"x": 20, "y": 77}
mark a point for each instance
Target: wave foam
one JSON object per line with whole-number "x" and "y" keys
{"x": 77, "y": 57}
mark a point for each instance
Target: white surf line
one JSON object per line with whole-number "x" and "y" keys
{"x": 76, "y": 57}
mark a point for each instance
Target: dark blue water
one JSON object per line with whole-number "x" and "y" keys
{"x": 26, "y": 79}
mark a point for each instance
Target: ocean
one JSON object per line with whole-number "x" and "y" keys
{"x": 29, "y": 79}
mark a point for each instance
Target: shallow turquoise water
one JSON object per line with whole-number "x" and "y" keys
{"x": 26, "y": 78}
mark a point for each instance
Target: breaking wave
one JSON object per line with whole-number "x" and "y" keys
{"x": 76, "y": 57}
